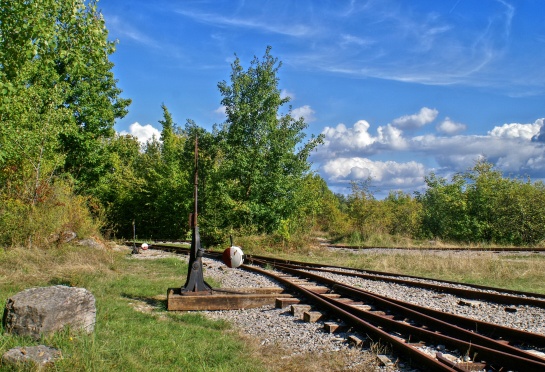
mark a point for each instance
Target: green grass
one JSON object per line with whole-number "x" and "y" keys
{"x": 133, "y": 331}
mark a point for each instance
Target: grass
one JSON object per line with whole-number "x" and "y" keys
{"x": 130, "y": 335}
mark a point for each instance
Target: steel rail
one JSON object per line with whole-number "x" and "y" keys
{"x": 508, "y": 356}
{"x": 504, "y": 296}
{"x": 500, "y": 352}
{"x": 372, "y": 323}
{"x": 537, "y": 300}
{"x": 491, "y": 330}
{"x": 372, "y": 331}
{"x": 493, "y": 250}
{"x": 428, "y": 319}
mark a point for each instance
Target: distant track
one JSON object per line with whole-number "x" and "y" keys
{"x": 493, "y": 250}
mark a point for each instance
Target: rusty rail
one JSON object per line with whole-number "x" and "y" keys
{"x": 434, "y": 330}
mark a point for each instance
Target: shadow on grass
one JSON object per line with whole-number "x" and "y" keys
{"x": 157, "y": 302}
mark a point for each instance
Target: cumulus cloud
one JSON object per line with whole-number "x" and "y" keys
{"x": 391, "y": 137}
{"x": 515, "y": 130}
{"x": 306, "y": 112}
{"x": 340, "y": 140}
{"x": 385, "y": 174}
{"x": 423, "y": 117}
{"x": 450, "y": 127}
{"x": 540, "y": 137}
{"x": 142, "y": 132}
{"x": 358, "y": 141}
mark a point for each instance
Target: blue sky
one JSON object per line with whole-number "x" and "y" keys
{"x": 398, "y": 88}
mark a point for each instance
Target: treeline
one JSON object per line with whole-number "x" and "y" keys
{"x": 476, "y": 206}
{"x": 63, "y": 167}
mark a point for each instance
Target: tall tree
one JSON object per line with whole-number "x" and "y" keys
{"x": 263, "y": 159}
{"x": 56, "y": 54}
{"x": 58, "y": 103}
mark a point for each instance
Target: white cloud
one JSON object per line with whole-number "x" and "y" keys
{"x": 264, "y": 24}
{"x": 423, "y": 117}
{"x": 540, "y": 137}
{"x": 142, "y": 132}
{"x": 284, "y": 94}
{"x": 391, "y": 137}
{"x": 341, "y": 140}
{"x": 450, "y": 127}
{"x": 357, "y": 141}
{"x": 348, "y": 40}
{"x": 125, "y": 30}
{"x": 306, "y": 112}
{"x": 388, "y": 174}
{"x": 515, "y": 130}
{"x": 221, "y": 111}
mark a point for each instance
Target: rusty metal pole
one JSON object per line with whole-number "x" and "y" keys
{"x": 135, "y": 250}
{"x": 195, "y": 283}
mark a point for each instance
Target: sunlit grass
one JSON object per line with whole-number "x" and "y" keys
{"x": 506, "y": 270}
{"x": 133, "y": 331}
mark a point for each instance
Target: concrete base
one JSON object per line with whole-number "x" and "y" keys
{"x": 226, "y": 299}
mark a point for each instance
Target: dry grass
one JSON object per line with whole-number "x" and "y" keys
{"x": 510, "y": 270}
{"x": 277, "y": 361}
{"x": 65, "y": 265}
{"x": 57, "y": 265}
{"x": 523, "y": 272}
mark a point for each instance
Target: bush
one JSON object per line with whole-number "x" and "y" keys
{"x": 36, "y": 224}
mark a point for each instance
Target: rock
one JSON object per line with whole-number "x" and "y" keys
{"x": 67, "y": 236}
{"x": 92, "y": 243}
{"x": 45, "y": 310}
{"x": 470, "y": 303}
{"x": 40, "y": 355}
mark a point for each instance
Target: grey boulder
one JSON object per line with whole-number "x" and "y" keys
{"x": 45, "y": 310}
{"x": 40, "y": 355}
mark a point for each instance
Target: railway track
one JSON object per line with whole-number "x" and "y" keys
{"x": 445, "y": 249}
{"x": 423, "y": 249}
{"x": 412, "y": 330}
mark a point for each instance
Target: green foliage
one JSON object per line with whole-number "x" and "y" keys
{"x": 477, "y": 206}
{"x": 58, "y": 103}
{"x": 397, "y": 215}
{"x": 56, "y": 212}
{"x": 445, "y": 209}
{"x": 260, "y": 168}
{"x": 54, "y": 59}
{"x": 481, "y": 205}
{"x": 150, "y": 187}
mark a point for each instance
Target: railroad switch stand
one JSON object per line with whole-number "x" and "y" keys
{"x": 195, "y": 283}
{"x": 196, "y": 294}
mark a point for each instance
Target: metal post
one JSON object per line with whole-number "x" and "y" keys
{"x": 195, "y": 283}
{"x": 135, "y": 250}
